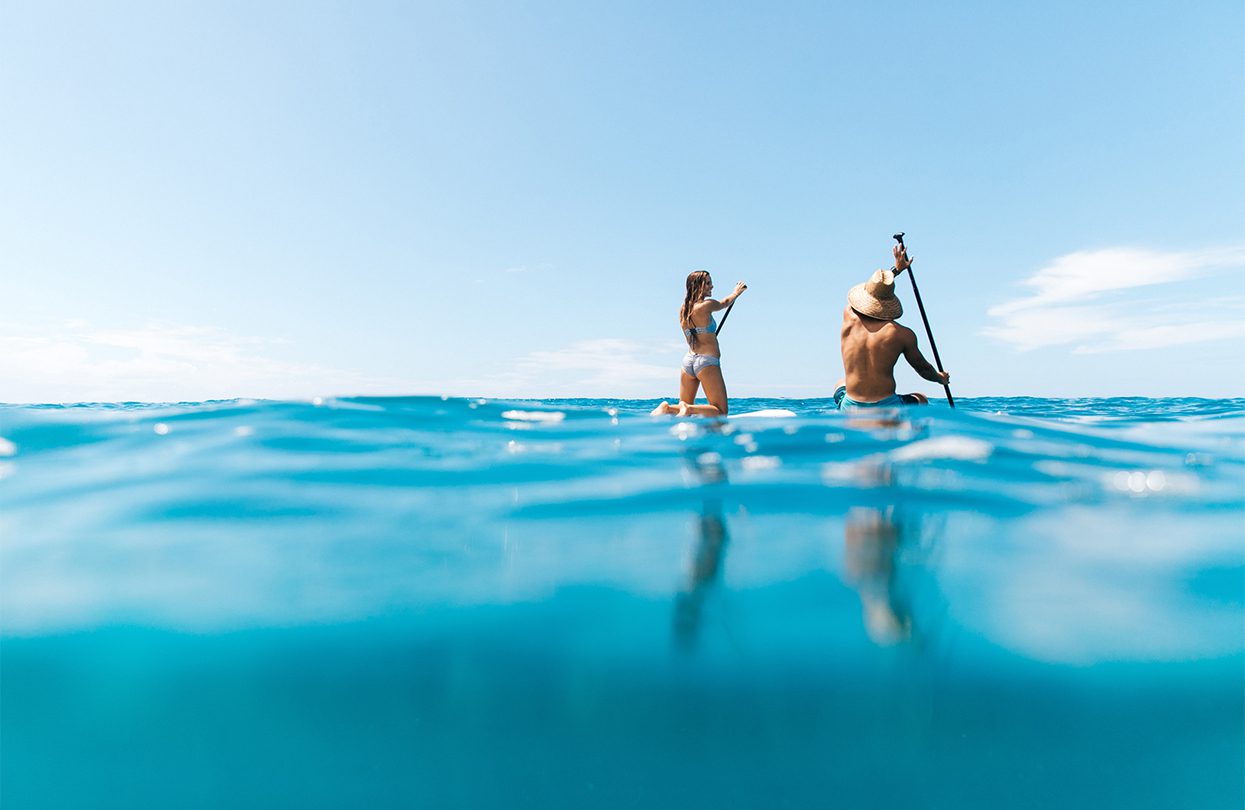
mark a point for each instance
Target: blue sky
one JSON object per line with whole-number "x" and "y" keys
{"x": 503, "y": 199}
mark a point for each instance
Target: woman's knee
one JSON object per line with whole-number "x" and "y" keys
{"x": 714, "y": 387}
{"x": 720, "y": 402}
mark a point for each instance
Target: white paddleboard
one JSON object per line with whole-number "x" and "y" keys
{"x": 767, "y": 413}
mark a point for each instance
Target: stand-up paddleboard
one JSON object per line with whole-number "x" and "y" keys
{"x": 765, "y": 413}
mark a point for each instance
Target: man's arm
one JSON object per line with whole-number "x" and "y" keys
{"x": 919, "y": 364}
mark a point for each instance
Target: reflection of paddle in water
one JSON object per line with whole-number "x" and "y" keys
{"x": 706, "y": 563}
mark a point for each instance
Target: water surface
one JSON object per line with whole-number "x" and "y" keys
{"x": 450, "y": 602}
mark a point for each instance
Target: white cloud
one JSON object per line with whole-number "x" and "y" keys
{"x": 601, "y": 367}
{"x": 158, "y": 363}
{"x": 1121, "y": 299}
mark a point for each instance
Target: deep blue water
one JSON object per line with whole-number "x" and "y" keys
{"x": 461, "y": 603}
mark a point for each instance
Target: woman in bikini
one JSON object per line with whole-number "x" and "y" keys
{"x": 702, "y": 365}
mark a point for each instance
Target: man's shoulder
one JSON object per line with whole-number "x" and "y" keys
{"x": 898, "y": 332}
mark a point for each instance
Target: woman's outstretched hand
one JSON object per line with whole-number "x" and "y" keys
{"x": 739, "y": 288}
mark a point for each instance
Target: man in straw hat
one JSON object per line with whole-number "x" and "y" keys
{"x": 873, "y": 342}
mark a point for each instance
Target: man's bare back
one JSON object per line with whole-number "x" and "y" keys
{"x": 871, "y": 348}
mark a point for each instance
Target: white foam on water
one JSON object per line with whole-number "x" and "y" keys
{"x": 684, "y": 430}
{"x": 955, "y": 448}
{"x": 550, "y": 417}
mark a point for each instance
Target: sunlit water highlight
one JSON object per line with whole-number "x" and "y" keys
{"x": 449, "y": 602}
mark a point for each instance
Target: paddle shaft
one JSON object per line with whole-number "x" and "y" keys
{"x": 729, "y": 307}
{"x": 928, "y": 332}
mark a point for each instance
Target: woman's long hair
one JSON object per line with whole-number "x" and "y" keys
{"x": 697, "y": 289}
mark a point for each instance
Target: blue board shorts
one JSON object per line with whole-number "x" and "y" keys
{"x": 842, "y": 401}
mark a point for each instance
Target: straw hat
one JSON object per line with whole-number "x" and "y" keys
{"x": 876, "y": 297}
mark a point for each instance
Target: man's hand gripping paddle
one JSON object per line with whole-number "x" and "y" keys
{"x": 912, "y": 277}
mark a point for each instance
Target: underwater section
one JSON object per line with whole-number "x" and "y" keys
{"x": 447, "y": 602}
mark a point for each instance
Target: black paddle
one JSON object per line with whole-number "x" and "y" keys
{"x": 727, "y": 315}
{"x": 912, "y": 277}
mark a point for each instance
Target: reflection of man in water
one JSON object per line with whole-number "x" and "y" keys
{"x": 871, "y": 541}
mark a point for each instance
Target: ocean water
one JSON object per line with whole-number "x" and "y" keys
{"x": 427, "y": 602}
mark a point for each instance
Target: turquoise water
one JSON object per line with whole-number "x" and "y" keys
{"x": 430, "y": 602}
